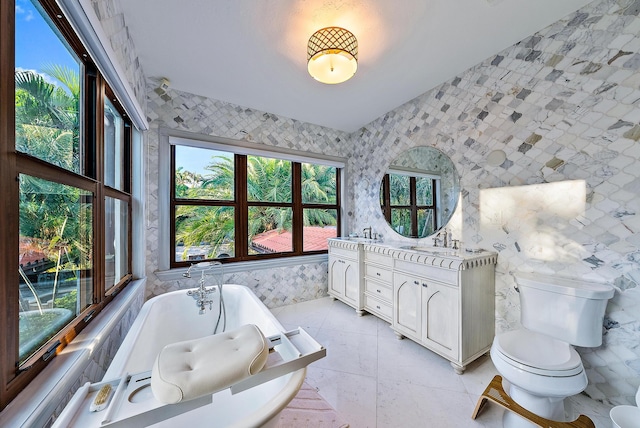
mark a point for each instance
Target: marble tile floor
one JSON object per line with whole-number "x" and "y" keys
{"x": 375, "y": 380}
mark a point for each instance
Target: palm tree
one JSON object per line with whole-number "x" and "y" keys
{"x": 47, "y": 116}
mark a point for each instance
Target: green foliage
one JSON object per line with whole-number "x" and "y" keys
{"x": 68, "y": 301}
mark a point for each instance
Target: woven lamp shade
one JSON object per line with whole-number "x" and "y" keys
{"x": 332, "y": 55}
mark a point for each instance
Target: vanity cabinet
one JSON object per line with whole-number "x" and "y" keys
{"x": 345, "y": 273}
{"x": 442, "y": 299}
{"x": 445, "y": 304}
{"x": 378, "y": 284}
{"x": 427, "y": 312}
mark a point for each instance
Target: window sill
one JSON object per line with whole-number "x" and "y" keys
{"x": 39, "y": 401}
{"x": 176, "y": 274}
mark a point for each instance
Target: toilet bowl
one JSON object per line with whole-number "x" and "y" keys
{"x": 538, "y": 360}
{"x": 626, "y": 416}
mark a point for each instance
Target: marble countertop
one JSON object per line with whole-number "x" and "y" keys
{"x": 425, "y": 250}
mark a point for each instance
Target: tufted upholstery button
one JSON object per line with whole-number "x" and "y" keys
{"x": 190, "y": 369}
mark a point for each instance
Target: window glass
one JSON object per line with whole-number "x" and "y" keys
{"x": 399, "y": 189}
{"x": 319, "y": 225}
{"x": 424, "y": 191}
{"x": 114, "y": 156}
{"x": 401, "y": 220}
{"x": 270, "y": 230}
{"x": 318, "y": 184}
{"x": 268, "y": 179}
{"x": 426, "y": 222}
{"x": 116, "y": 241}
{"x": 55, "y": 259}
{"x": 204, "y": 174}
{"x": 47, "y": 91}
{"x": 204, "y": 232}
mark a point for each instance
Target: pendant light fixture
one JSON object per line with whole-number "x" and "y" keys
{"x": 332, "y": 55}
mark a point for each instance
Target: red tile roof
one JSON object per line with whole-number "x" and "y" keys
{"x": 274, "y": 241}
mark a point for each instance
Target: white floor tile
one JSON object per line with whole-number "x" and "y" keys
{"x": 406, "y": 361}
{"x": 348, "y": 352}
{"x": 352, "y": 395}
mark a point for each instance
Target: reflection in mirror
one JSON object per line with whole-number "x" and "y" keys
{"x": 419, "y": 192}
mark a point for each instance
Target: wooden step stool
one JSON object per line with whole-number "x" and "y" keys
{"x": 494, "y": 392}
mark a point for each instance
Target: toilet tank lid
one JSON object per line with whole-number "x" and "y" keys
{"x": 563, "y": 285}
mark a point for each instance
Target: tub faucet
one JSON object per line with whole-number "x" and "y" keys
{"x": 202, "y": 294}
{"x": 364, "y": 231}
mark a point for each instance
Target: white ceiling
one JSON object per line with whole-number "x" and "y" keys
{"x": 253, "y": 52}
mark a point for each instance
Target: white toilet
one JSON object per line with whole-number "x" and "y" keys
{"x": 626, "y": 416}
{"x": 538, "y": 360}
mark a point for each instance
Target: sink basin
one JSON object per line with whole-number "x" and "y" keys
{"x": 436, "y": 251}
{"x": 365, "y": 240}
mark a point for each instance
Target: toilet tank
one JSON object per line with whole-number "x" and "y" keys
{"x": 570, "y": 310}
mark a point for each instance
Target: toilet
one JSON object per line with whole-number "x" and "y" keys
{"x": 626, "y": 416}
{"x": 539, "y": 361}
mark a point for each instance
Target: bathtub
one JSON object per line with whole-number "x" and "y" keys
{"x": 174, "y": 317}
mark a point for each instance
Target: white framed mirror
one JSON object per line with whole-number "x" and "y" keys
{"x": 419, "y": 192}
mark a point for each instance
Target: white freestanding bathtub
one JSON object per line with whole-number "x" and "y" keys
{"x": 174, "y": 317}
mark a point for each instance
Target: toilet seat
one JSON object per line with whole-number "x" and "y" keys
{"x": 538, "y": 354}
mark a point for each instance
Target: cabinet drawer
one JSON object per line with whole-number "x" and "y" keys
{"x": 380, "y": 259}
{"x": 378, "y": 307}
{"x": 379, "y": 290}
{"x": 378, "y": 273}
{"x": 448, "y": 276}
{"x": 343, "y": 252}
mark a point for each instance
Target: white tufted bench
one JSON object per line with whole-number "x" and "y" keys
{"x": 193, "y": 368}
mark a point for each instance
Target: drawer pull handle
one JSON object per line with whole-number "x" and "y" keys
{"x": 378, "y": 306}
{"x": 424, "y": 284}
{"x": 378, "y": 273}
{"x": 378, "y": 291}
{"x": 416, "y": 282}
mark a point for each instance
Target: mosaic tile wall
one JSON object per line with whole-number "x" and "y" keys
{"x": 204, "y": 116}
{"x": 114, "y": 26}
{"x": 564, "y": 105}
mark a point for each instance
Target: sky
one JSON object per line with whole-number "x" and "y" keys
{"x": 36, "y": 43}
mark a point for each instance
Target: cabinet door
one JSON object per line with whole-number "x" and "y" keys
{"x": 336, "y": 276}
{"x": 407, "y": 305}
{"x": 440, "y": 318}
{"x": 351, "y": 280}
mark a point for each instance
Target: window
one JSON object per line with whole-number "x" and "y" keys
{"x": 231, "y": 206}
{"x": 65, "y": 180}
{"x": 409, "y": 203}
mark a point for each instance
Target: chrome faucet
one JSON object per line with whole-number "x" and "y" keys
{"x": 202, "y": 293}
{"x": 364, "y": 232}
{"x": 445, "y": 238}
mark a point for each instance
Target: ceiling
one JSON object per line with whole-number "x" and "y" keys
{"x": 253, "y": 52}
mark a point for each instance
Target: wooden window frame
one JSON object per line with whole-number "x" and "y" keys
{"x": 15, "y": 378}
{"x": 241, "y": 207}
{"x": 413, "y": 207}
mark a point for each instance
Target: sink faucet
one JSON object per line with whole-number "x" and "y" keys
{"x": 364, "y": 231}
{"x": 445, "y": 239}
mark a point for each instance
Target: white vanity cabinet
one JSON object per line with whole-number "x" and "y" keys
{"x": 445, "y": 303}
{"x": 442, "y": 299}
{"x": 378, "y": 283}
{"x": 345, "y": 272}
{"x": 427, "y": 312}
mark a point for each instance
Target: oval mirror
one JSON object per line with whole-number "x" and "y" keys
{"x": 419, "y": 192}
